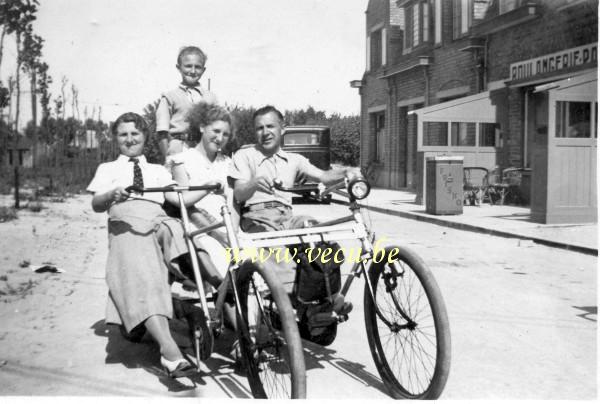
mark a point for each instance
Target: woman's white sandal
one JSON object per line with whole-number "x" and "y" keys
{"x": 177, "y": 368}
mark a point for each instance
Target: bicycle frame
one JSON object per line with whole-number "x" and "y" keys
{"x": 351, "y": 227}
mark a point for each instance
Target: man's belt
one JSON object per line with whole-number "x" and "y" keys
{"x": 264, "y": 205}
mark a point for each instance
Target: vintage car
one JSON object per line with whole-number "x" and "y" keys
{"x": 313, "y": 142}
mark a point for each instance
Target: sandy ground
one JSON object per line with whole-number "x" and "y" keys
{"x": 33, "y": 304}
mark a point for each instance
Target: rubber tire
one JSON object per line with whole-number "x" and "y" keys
{"x": 286, "y": 322}
{"x": 440, "y": 321}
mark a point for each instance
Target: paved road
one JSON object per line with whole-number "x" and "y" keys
{"x": 523, "y": 320}
{"x": 523, "y": 317}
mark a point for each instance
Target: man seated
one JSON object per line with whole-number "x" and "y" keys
{"x": 254, "y": 171}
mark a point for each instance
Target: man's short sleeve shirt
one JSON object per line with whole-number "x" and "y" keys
{"x": 250, "y": 162}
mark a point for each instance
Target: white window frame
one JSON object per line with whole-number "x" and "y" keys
{"x": 465, "y": 16}
{"x": 375, "y": 28}
{"x": 416, "y": 28}
{"x": 448, "y": 146}
{"x": 368, "y": 61}
{"x": 383, "y": 46}
{"x": 438, "y": 22}
{"x": 424, "y": 5}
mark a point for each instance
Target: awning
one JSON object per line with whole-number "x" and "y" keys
{"x": 473, "y": 108}
{"x": 578, "y": 85}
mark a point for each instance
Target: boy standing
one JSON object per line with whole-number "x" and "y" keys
{"x": 171, "y": 126}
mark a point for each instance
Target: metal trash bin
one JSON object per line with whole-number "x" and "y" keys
{"x": 444, "y": 194}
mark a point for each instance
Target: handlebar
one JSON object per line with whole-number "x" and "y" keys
{"x": 356, "y": 188}
{"x": 319, "y": 188}
{"x": 174, "y": 188}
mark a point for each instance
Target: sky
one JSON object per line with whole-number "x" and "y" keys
{"x": 121, "y": 55}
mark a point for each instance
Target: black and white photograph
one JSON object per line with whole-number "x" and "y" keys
{"x": 298, "y": 199}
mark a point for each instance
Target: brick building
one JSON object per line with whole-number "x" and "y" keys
{"x": 474, "y": 78}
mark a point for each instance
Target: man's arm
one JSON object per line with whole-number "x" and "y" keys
{"x": 243, "y": 190}
{"x": 330, "y": 176}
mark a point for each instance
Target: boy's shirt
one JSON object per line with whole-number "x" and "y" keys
{"x": 120, "y": 173}
{"x": 174, "y": 105}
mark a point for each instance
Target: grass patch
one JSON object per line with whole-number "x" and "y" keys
{"x": 7, "y": 214}
{"x": 35, "y": 206}
{"x": 23, "y": 289}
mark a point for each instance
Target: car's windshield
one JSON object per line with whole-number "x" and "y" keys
{"x": 301, "y": 138}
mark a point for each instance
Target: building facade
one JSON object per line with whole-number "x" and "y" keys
{"x": 474, "y": 78}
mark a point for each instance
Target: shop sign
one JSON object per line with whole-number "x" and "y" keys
{"x": 581, "y": 55}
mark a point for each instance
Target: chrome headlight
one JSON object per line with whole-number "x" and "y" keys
{"x": 359, "y": 188}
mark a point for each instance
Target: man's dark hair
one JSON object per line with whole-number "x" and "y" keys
{"x": 139, "y": 122}
{"x": 267, "y": 109}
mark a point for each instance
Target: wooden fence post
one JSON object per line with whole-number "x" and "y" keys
{"x": 17, "y": 186}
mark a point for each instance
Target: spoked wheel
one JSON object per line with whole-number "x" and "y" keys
{"x": 270, "y": 344}
{"x": 407, "y": 327}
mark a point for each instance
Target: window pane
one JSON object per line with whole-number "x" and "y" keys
{"x": 380, "y": 146}
{"x": 464, "y": 19}
{"x": 487, "y": 134}
{"x": 456, "y": 18}
{"x": 483, "y": 9}
{"x": 425, "y": 6}
{"x": 507, "y": 5}
{"x": 301, "y": 139}
{"x": 375, "y": 49}
{"x": 416, "y": 24}
{"x": 595, "y": 119}
{"x": 463, "y": 134}
{"x": 435, "y": 133}
{"x": 573, "y": 119}
{"x": 438, "y": 21}
{"x": 408, "y": 28}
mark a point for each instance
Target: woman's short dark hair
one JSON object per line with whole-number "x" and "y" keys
{"x": 139, "y": 122}
{"x": 203, "y": 114}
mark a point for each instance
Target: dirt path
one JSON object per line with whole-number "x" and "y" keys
{"x": 46, "y": 318}
{"x": 53, "y": 340}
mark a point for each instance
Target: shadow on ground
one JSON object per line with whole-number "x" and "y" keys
{"x": 316, "y": 355}
{"x": 146, "y": 355}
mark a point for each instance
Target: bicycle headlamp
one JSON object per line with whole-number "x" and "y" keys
{"x": 359, "y": 188}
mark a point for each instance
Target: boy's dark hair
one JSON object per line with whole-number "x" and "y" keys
{"x": 139, "y": 122}
{"x": 203, "y": 114}
{"x": 186, "y": 50}
{"x": 265, "y": 110}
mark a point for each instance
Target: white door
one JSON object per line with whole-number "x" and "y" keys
{"x": 572, "y": 147}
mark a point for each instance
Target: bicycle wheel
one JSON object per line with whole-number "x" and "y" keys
{"x": 407, "y": 326}
{"x": 270, "y": 344}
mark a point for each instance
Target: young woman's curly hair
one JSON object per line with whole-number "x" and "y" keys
{"x": 203, "y": 114}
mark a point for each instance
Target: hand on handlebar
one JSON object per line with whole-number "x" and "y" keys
{"x": 352, "y": 173}
{"x": 263, "y": 184}
{"x": 218, "y": 191}
{"x": 119, "y": 194}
